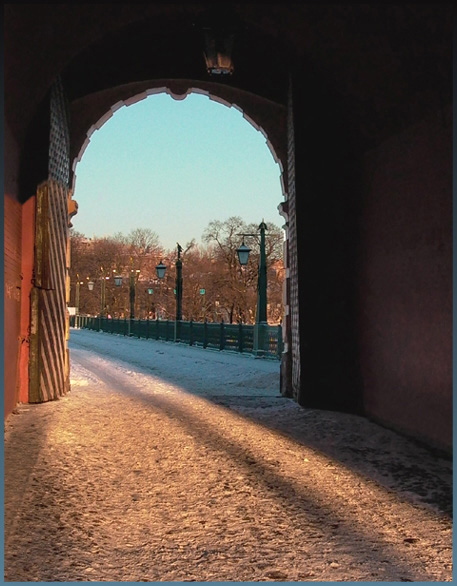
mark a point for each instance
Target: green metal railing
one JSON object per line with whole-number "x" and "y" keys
{"x": 219, "y": 336}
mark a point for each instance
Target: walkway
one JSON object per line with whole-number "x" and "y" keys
{"x": 171, "y": 463}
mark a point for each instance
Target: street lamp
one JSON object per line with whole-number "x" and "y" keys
{"x": 202, "y": 293}
{"x": 104, "y": 278}
{"x": 91, "y": 284}
{"x": 179, "y": 284}
{"x": 150, "y": 304}
{"x": 243, "y": 254}
{"x": 160, "y": 270}
{"x": 133, "y": 277}
{"x": 118, "y": 283}
{"x": 261, "y": 309}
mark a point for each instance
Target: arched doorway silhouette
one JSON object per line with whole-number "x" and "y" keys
{"x": 89, "y": 109}
{"x": 360, "y": 102}
{"x": 182, "y": 177}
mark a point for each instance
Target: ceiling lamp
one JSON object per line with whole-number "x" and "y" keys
{"x": 218, "y": 51}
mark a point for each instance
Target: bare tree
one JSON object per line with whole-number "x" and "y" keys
{"x": 216, "y": 286}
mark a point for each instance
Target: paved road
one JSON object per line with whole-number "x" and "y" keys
{"x": 148, "y": 474}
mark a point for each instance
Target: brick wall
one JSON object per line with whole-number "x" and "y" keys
{"x": 292, "y": 250}
{"x": 59, "y": 140}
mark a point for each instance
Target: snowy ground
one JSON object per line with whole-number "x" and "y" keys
{"x": 189, "y": 368}
{"x": 167, "y": 462}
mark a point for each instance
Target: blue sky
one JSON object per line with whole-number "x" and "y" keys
{"x": 173, "y": 166}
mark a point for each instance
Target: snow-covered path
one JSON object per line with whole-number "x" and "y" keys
{"x": 169, "y": 463}
{"x": 192, "y": 369}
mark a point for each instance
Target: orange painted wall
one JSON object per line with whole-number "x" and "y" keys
{"x": 12, "y": 305}
{"x": 12, "y": 270}
{"x": 28, "y": 243}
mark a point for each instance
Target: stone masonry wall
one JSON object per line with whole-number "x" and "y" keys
{"x": 292, "y": 246}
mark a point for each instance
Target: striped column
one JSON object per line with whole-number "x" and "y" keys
{"x": 48, "y": 361}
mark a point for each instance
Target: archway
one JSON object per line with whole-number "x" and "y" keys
{"x": 91, "y": 100}
{"x": 272, "y": 119}
{"x": 221, "y": 179}
{"x": 370, "y": 87}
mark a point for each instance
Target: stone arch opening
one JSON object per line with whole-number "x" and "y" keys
{"x": 100, "y": 73}
{"x": 179, "y": 92}
{"x": 372, "y": 104}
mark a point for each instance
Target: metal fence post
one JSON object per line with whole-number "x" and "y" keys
{"x": 191, "y": 341}
{"x": 222, "y": 340}
{"x": 240, "y": 337}
{"x": 205, "y": 333}
{"x": 279, "y": 340}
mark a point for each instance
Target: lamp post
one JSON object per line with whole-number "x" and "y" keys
{"x": 103, "y": 291}
{"x": 202, "y": 293}
{"x": 178, "y": 294}
{"x": 150, "y": 304}
{"x": 261, "y": 316}
{"x": 132, "y": 292}
{"x": 91, "y": 284}
{"x": 103, "y": 280}
{"x": 160, "y": 270}
{"x": 117, "y": 281}
{"x": 261, "y": 309}
{"x": 133, "y": 277}
{"x": 179, "y": 284}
